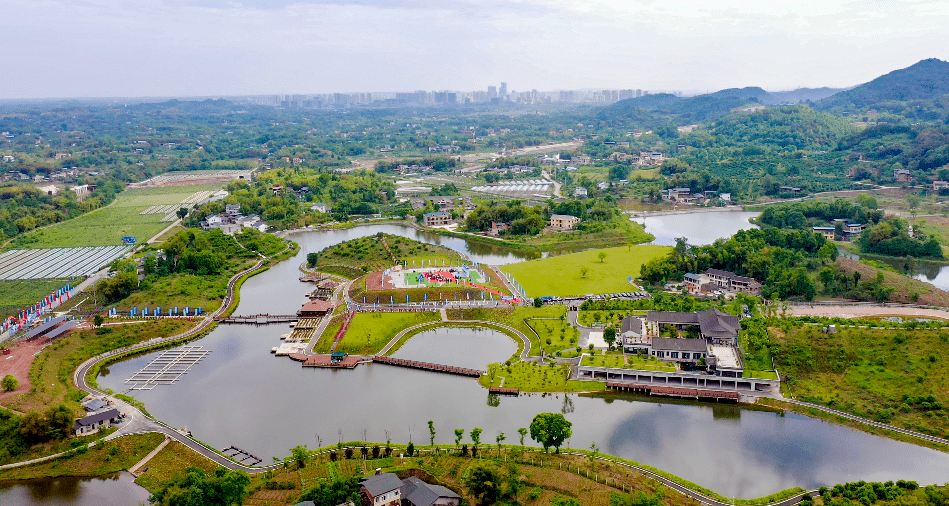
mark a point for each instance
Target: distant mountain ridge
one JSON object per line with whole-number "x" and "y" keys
{"x": 924, "y": 80}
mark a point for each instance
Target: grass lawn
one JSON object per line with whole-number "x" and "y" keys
{"x": 107, "y": 225}
{"x": 760, "y": 374}
{"x": 115, "y": 455}
{"x": 173, "y": 460}
{"x": 534, "y": 377}
{"x": 588, "y": 318}
{"x": 555, "y": 335}
{"x": 627, "y": 362}
{"x": 899, "y": 377}
{"x": 16, "y": 294}
{"x": 561, "y": 275}
{"x": 52, "y": 370}
{"x": 370, "y": 332}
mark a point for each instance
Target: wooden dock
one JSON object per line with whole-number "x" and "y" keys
{"x": 259, "y": 319}
{"x": 474, "y": 373}
{"x": 504, "y": 391}
{"x": 692, "y": 393}
{"x": 241, "y": 456}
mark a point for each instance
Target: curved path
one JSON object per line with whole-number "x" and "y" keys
{"x": 447, "y": 323}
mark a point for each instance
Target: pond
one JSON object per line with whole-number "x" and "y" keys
{"x": 117, "y": 489}
{"x": 242, "y": 395}
{"x": 700, "y": 228}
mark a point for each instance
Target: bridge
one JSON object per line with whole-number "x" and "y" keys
{"x": 259, "y": 319}
{"x": 425, "y": 366}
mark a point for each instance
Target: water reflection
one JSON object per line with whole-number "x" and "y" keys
{"x": 113, "y": 489}
{"x": 698, "y": 228}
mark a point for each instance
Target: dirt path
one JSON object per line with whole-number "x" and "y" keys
{"x": 18, "y": 364}
{"x": 859, "y": 311}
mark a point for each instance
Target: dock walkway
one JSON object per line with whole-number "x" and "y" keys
{"x": 428, "y": 366}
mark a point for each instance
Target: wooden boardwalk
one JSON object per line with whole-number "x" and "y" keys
{"x": 241, "y": 456}
{"x": 504, "y": 391}
{"x": 474, "y": 373}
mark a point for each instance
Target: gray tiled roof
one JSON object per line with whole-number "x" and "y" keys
{"x": 632, "y": 324}
{"x": 420, "y": 493}
{"x": 98, "y": 417}
{"x": 379, "y": 484}
{"x": 672, "y": 344}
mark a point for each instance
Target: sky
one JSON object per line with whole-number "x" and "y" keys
{"x": 167, "y": 48}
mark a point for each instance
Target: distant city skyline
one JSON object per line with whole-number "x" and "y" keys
{"x": 170, "y": 48}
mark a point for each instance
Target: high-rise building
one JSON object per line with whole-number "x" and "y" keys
{"x": 492, "y": 92}
{"x": 503, "y": 91}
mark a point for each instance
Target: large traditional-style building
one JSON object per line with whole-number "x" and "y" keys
{"x": 715, "y": 279}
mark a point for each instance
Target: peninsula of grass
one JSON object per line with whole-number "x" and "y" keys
{"x": 52, "y": 369}
{"x": 368, "y": 333}
{"x": 107, "y": 225}
{"x": 105, "y": 457}
{"x": 894, "y": 376}
{"x": 534, "y": 377}
{"x": 618, "y": 231}
{"x": 563, "y": 275}
{"x": 556, "y": 336}
{"x": 381, "y": 251}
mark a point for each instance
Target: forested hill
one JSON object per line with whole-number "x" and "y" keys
{"x": 652, "y": 111}
{"x": 787, "y": 129}
{"x": 924, "y": 80}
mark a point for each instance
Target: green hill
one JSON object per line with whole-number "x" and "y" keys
{"x": 924, "y": 80}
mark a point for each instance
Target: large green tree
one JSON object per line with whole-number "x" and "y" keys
{"x": 550, "y": 429}
{"x": 484, "y": 483}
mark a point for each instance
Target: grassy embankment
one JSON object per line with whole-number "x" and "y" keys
{"x": 52, "y": 370}
{"x": 904, "y": 289}
{"x": 563, "y": 275}
{"x": 107, "y": 225}
{"x": 17, "y": 294}
{"x": 174, "y": 459}
{"x": 370, "y": 332}
{"x": 900, "y": 377}
{"x": 534, "y": 377}
{"x": 116, "y": 455}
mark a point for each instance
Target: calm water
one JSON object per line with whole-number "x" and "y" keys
{"x": 928, "y": 272}
{"x": 117, "y": 489}
{"x": 698, "y": 228}
{"x": 242, "y": 395}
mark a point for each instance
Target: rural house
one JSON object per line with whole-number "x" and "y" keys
{"x": 94, "y": 422}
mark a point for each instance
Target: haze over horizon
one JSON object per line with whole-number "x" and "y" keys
{"x": 108, "y": 48}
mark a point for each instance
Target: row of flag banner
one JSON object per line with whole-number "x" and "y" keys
{"x": 14, "y": 324}
{"x": 172, "y": 311}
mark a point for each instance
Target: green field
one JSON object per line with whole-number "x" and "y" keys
{"x": 16, "y": 294}
{"x": 369, "y": 332}
{"x": 562, "y": 276}
{"x": 627, "y": 362}
{"x": 520, "y": 318}
{"x": 534, "y": 377}
{"x": 900, "y": 377}
{"x": 106, "y": 226}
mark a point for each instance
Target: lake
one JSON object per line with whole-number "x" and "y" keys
{"x": 242, "y": 395}
{"x": 700, "y": 228}
{"x": 117, "y": 489}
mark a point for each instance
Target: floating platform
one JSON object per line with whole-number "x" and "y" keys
{"x": 241, "y": 456}
{"x": 504, "y": 391}
{"x": 167, "y": 368}
{"x": 692, "y": 393}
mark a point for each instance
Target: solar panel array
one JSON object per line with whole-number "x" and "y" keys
{"x": 531, "y": 187}
{"x": 57, "y": 262}
{"x": 171, "y": 210}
